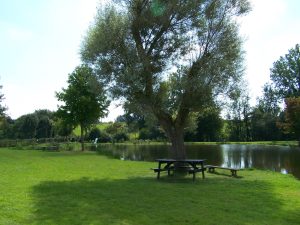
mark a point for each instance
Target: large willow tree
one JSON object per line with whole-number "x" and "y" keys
{"x": 169, "y": 57}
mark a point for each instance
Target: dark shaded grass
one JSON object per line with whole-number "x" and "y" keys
{"x": 169, "y": 201}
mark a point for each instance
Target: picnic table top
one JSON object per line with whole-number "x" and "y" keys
{"x": 181, "y": 160}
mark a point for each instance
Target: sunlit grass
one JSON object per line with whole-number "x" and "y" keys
{"x": 86, "y": 188}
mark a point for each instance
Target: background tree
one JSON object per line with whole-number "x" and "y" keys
{"x": 285, "y": 74}
{"x": 209, "y": 125}
{"x": 45, "y": 126}
{"x": 61, "y": 127}
{"x": 118, "y": 131}
{"x": 292, "y": 113}
{"x": 265, "y": 117}
{"x": 84, "y": 100}
{"x": 25, "y": 126}
{"x": 285, "y": 77}
{"x": 171, "y": 58}
{"x": 3, "y": 121}
{"x": 238, "y": 115}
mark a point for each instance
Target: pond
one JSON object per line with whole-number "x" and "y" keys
{"x": 282, "y": 159}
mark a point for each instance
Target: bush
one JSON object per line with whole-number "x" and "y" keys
{"x": 154, "y": 133}
{"x": 121, "y": 137}
{"x": 94, "y": 133}
{"x": 104, "y": 137}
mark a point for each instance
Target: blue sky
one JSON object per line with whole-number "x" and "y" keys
{"x": 40, "y": 41}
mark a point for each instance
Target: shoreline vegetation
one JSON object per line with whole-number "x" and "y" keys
{"x": 42, "y": 187}
{"x": 65, "y": 145}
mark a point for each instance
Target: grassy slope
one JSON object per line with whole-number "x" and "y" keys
{"x": 86, "y": 188}
{"x": 100, "y": 126}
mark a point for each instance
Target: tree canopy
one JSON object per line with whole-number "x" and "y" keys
{"x": 292, "y": 112}
{"x": 169, "y": 57}
{"x": 285, "y": 74}
{"x": 84, "y": 99}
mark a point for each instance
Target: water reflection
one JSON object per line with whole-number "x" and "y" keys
{"x": 276, "y": 158}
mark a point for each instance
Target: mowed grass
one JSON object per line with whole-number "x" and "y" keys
{"x": 86, "y": 188}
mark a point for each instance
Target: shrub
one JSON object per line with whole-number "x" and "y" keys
{"x": 120, "y": 137}
{"x": 94, "y": 133}
{"x": 104, "y": 137}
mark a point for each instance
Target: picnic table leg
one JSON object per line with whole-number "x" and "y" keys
{"x": 158, "y": 172}
{"x": 194, "y": 166}
{"x": 168, "y": 166}
{"x": 202, "y": 170}
{"x": 233, "y": 173}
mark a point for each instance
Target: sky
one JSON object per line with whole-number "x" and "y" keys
{"x": 40, "y": 42}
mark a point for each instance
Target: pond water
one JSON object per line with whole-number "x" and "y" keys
{"x": 276, "y": 158}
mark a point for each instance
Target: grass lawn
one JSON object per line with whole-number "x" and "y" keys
{"x": 86, "y": 188}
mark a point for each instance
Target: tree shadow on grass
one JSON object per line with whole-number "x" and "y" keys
{"x": 142, "y": 201}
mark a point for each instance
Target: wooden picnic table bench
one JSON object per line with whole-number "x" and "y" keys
{"x": 212, "y": 168}
{"x": 189, "y": 165}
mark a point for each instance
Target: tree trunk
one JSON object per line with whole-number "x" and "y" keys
{"x": 81, "y": 137}
{"x": 177, "y": 143}
{"x": 174, "y": 130}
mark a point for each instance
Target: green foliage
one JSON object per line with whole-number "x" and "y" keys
{"x": 238, "y": 118}
{"x": 62, "y": 128}
{"x": 209, "y": 125}
{"x": 116, "y": 127}
{"x": 268, "y": 103}
{"x": 94, "y": 133}
{"x": 86, "y": 188}
{"x": 170, "y": 58}
{"x": 84, "y": 100}
{"x": 39, "y": 124}
{"x": 2, "y": 108}
{"x": 264, "y": 126}
{"x": 120, "y": 137}
{"x": 265, "y": 117}
{"x": 151, "y": 133}
{"x": 26, "y": 126}
{"x": 292, "y": 113}
{"x": 104, "y": 137}
{"x": 285, "y": 74}
{"x": 118, "y": 131}
{"x": 6, "y": 127}
{"x": 45, "y": 126}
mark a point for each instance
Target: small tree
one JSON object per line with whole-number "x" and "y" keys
{"x": 84, "y": 100}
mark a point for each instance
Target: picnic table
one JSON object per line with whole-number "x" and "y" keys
{"x": 192, "y": 166}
